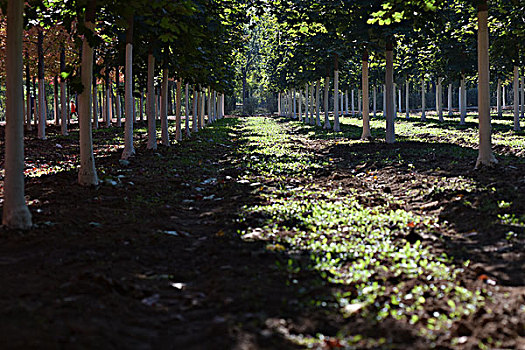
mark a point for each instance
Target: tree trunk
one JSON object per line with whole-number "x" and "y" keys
{"x": 56, "y": 112}
{"x": 150, "y": 104}
{"x": 312, "y": 104}
{"x": 187, "y": 110}
{"x": 359, "y": 104}
{"x": 28, "y": 95}
{"x": 353, "y": 103}
{"x": 504, "y": 98}
{"x": 300, "y": 105}
{"x": 366, "y": 103}
{"x": 165, "y": 138}
{"x": 463, "y": 97}
{"x": 337, "y": 127}
{"x": 498, "y": 99}
{"x": 523, "y": 96}
{"x": 346, "y": 102}
{"x": 95, "y": 104}
{"x": 326, "y": 103}
{"x": 389, "y": 92}
{"x": 129, "y": 150}
{"x": 450, "y": 112}
{"x": 117, "y": 96}
{"x": 423, "y": 101}
{"x": 141, "y": 106}
{"x": 374, "y": 97}
{"x": 485, "y": 157}
{"x": 108, "y": 99}
{"x": 317, "y": 102}
{"x": 15, "y": 214}
{"x": 384, "y": 100}
{"x": 307, "y": 104}
{"x": 279, "y": 104}
{"x": 407, "y": 99}
{"x": 41, "y": 87}
{"x": 195, "y": 115}
{"x": 516, "y": 86}
{"x": 87, "y": 174}
{"x": 178, "y": 118}
{"x": 438, "y": 99}
{"x": 63, "y": 94}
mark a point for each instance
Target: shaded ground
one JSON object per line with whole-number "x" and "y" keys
{"x": 152, "y": 258}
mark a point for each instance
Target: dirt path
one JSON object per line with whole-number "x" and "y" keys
{"x": 153, "y": 258}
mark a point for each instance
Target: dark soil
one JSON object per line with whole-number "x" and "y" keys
{"x": 151, "y": 258}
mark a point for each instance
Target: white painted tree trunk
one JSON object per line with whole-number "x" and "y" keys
{"x": 400, "y": 98}
{"x": 312, "y": 104}
{"x": 353, "y": 103}
{"x": 63, "y": 109}
{"x": 318, "y": 103}
{"x": 307, "y": 105}
{"x": 498, "y": 99}
{"x": 389, "y": 96}
{"x": 516, "y": 86}
{"x": 463, "y": 96}
{"x": 202, "y": 110}
{"x": 117, "y": 99}
{"x": 300, "y": 105}
{"x": 423, "y": 101}
{"x": 87, "y": 174}
{"x": 384, "y": 100}
{"x": 129, "y": 150}
{"x": 222, "y": 105}
{"x": 178, "y": 110}
{"x": 15, "y": 214}
{"x": 165, "y": 137}
{"x": 187, "y": 109}
{"x": 346, "y": 102}
{"x": 194, "y": 110}
{"x": 326, "y": 103}
{"x": 407, "y": 99}
{"x": 359, "y": 106}
{"x": 450, "y": 112}
{"x": 41, "y": 109}
{"x": 366, "y": 103}
{"x": 95, "y": 105}
{"x": 342, "y": 106}
{"x": 485, "y": 157}
{"x": 439, "y": 96}
{"x": 395, "y": 104}
{"x": 151, "y": 114}
{"x": 337, "y": 127}
{"x": 504, "y": 98}
{"x": 374, "y": 97}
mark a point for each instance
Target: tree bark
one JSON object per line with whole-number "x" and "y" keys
{"x": 165, "y": 137}
{"x": 56, "y": 112}
{"x": 317, "y": 102}
{"x": 195, "y": 115}
{"x": 389, "y": 92}
{"x": 366, "y": 134}
{"x": 516, "y": 86}
{"x": 187, "y": 110}
{"x": 150, "y": 104}
{"x": 439, "y": 103}
{"x": 15, "y": 214}
{"x": 463, "y": 98}
{"x": 95, "y": 103}
{"x": 118, "y": 108}
{"x": 498, "y": 99}
{"x": 41, "y": 87}
{"x": 374, "y": 97}
{"x": 129, "y": 102}
{"x": 337, "y": 127}
{"x": 407, "y": 99}
{"x": 312, "y": 104}
{"x": 423, "y": 101}
{"x": 450, "y": 112}
{"x": 485, "y": 157}
{"x": 307, "y": 104}
{"x": 28, "y": 95}
{"x": 63, "y": 94}
{"x": 178, "y": 118}
{"x": 87, "y": 174}
{"x": 327, "y": 103}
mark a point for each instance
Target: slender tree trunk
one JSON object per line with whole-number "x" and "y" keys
{"x": 178, "y": 118}
{"x": 117, "y": 96}
{"x": 523, "y": 96}
{"x": 15, "y": 214}
{"x": 450, "y": 112}
{"x": 400, "y": 98}
{"x": 56, "y": 112}
{"x": 498, "y": 99}
{"x": 28, "y": 95}
{"x": 312, "y": 104}
{"x": 384, "y": 100}
{"x": 366, "y": 103}
{"x": 516, "y": 86}
{"x": 63, "y": 94}
{"x": 395, "y": 104}
{"x": 279, "y": 104}
{"x": 41, "y": 87}
{"x": 389, "y": 92}
{"x": 407, "y": 99}
{"x": 463, "y": 97}
{"x": 150, "y": 104}
{"x": 87, "y": 174}
{"x": 195, "y": 104}
{"x": 170, "y": 98}
{"x": 300, "y": 105}
{"x": 187, "y": 110}
{"x": 129, "y": 101}
{"x": 307, "y": 104}
{"x": 485, "y": 157}
{"x": 423, "y": 101}
{"x": 346, "y": 102}
{"x": 359, "y": 103}
{"x": 35, "y": 104}
{"x": 222, "y": 105}
{"x": 165, "y": 138}
{"x": 141, "y": 106}
{"x": 107, "y": 100}
{"x": 374, "y": 97}
{"x": 317, "y": 102}
{"x": 353, "y": 103}
{"x": 438, "y": 99}
{"x": 95, "y": 104}
{"x": 337, "y": 127}
{"x": 326, "y": 103}
{"x": 504, "y": 98}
